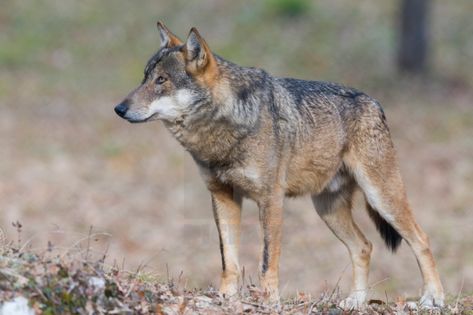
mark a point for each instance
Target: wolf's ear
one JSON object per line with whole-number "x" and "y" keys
{"x": 168, "y": 39}
{"x": 197, "y": 53}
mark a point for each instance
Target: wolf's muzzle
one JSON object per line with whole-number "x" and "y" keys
{"x": 122, "y": 108}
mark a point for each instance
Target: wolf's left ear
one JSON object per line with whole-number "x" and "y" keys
{"x": 197, "y": 53}
{"x": 168, "y": 39}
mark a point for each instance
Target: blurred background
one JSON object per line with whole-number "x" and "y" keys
{"x": 67, "y": 162}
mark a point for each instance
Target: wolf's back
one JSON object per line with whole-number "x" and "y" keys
{"x": 323, "y": 104}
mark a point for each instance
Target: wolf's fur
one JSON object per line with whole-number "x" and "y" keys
{"x": 257, "y": 136}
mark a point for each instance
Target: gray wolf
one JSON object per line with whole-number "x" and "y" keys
{"x": 257, "y": 136}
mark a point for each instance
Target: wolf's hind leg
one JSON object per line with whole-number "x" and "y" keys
{"x": 335, "y": 209}
{"x": 385, "y": 193}
{"x": 227, "y": 213}
{"x": 374, "y": 166}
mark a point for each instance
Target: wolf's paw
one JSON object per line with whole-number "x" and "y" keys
{"x": 355, "y": 301}
{"x": 272, "y": 298}
{"x": 228, "y": 289}
{"x": 432, "y": 300}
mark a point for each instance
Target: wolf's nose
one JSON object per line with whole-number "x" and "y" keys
{"x": 121, "y": 108}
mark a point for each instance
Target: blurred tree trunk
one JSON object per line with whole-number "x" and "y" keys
{"x": 413, "y": 36}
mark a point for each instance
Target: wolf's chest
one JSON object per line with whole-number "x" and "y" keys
{"x": 247, "y": 178}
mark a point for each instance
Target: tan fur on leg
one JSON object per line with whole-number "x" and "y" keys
{"x": 335, "y": 209}
{"x": 271, "y": 212}
{"x": 381, "y": 182}
{"x": 227, "y": 213}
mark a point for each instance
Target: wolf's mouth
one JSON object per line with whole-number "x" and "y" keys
{"x": 137, "y": 121}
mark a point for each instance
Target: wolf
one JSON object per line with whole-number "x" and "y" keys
{"x": 257, "y": 136}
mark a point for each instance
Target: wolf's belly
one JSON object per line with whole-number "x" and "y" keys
{"x": 307, "y": 182}
{"x": 311, "y": 176}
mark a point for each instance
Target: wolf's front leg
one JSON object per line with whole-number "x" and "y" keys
{"x": 227, "y": 212}
{"x": 270, "y": 214}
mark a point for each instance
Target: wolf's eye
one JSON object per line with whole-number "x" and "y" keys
{"x": 160, "y": 80}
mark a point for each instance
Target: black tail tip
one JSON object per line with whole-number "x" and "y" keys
{"x": 391, "y": 237}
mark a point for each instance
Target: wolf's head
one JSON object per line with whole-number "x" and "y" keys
{"x": 177, "y": 79}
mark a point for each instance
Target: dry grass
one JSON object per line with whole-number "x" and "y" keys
{"x": 54, "y": 283}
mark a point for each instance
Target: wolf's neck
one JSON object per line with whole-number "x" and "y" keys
{"x": 214, "y": 137}
{"x": 213, "y": 131}
{"x": 208, "y": 143}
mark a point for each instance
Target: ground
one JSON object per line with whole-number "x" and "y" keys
{"x": 53, "y": 283}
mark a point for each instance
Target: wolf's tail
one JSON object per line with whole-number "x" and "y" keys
{"x": 391, "y": 237}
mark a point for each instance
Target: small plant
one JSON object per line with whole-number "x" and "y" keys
{"x": 289, "y": 8}
{"x": 18, "y": 226}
